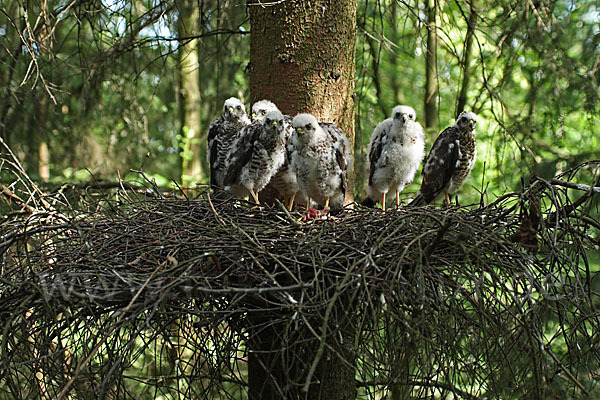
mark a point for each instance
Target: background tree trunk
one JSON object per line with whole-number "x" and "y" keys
{"x": 464, "y": 88}
{"x": 302, "y": 57}
{"x": 393, "y": 55}
{"x": 194, "y": 138}
{"x": 46, "y": 107}
{"x": 43, "y": 160}
{"x": 431, "y": 86}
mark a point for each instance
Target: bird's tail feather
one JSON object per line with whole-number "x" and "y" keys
{"x": 368, "y": 202}
{"x": 417, "y": 201}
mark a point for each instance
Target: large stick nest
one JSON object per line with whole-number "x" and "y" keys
{"x": 137, "y": 293}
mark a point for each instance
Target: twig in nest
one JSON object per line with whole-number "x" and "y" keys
{"x": 13, "y": 197}
{"x": 122, "y": 314}
{"x": 212, "y": 207}
{"x": 438, "y": 238}
{"x": 576, "y": 186}
{"x": 287, "y": 213}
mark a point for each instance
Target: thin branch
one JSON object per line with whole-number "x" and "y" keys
{"x": 13, "y": 197}
{"x": 576, "y": 186}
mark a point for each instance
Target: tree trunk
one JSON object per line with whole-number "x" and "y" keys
{"x": 194, "y": 139}
{"x": 43, "y": 160}
{"x": 302, "y": 56}
{"x": 431, "y": 86}
{"x": 43, "y": 124}
{"x": 392, "y": 55}
{"x": 462, "y": 97}
{"x": 334, "y": 378}
{"x": 291, "y": 363}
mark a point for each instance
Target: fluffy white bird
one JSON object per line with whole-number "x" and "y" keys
{"x": 221, "y": 135}
{"x": 320, "y": 159}
{"x": 261, "y": 108}
{"x": 396, "y": 151}
{"x": 256, "y": 156}
{"x": 284, "y": 181}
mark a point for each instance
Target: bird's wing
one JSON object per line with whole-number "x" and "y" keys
{"x": 290, "y": 144}
{"x": 241, "y": 152}
{"x": 440, "y": 163}
{"x": 287, "y": 126}
{"x": 341, "y": 147}
{"x": 376, "y": 147}
{"x": 215, "y": 129}
{"x": 338, "y": 139}
{"x": 342, "y": 161}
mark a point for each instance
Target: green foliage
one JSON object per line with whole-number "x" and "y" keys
{"x": 105, "y": 95}
{"x": 532, "y": 81}
{"x": 112, "y": 71}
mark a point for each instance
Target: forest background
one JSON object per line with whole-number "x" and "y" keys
{"x": 94, "y": 89}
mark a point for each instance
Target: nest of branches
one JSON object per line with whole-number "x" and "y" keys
{"x": 132, "y": 292}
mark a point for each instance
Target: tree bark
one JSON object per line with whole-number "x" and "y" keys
{"x": 194, "y": 139}
{"x": 431, "y": 86}
{"x": 302, "y": 58}
{"x": 287, "y": 363}
{"x": 472, "y": 21}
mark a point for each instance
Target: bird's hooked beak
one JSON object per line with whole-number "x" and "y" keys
{"x": 299, "y": 130}
{"x": 253, "y": 115}
{"x": 402, "y": 116}
{"x": 231, "y": 110}
{"x": 274, "y": 123}
{"x": 472, "y": 124}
